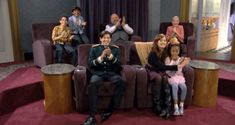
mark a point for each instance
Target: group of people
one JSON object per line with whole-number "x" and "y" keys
{"x": 164, "y": 66}
{"x": 71, "y": 33}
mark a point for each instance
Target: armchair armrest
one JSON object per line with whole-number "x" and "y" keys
{"x": 80, "y": 80}
{"x": 141, "y": 86}
{"x": 42, "y": 52}
{"x": 191, "y": 47}
{"x": 188, "y": 72}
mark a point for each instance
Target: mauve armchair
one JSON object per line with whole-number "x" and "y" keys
{"x": 42, "y": 43}
{"x": 82, "y": 76}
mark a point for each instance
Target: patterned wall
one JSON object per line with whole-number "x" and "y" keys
{"x": 40, "y": 11}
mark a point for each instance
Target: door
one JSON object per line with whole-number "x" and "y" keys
{"x": 6, "y": 49}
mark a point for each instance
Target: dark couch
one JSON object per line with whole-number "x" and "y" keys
{"x": 81, "y": 79}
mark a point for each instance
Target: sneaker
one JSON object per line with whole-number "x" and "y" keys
{"x": 176, "y": 112}
{"x": 181, "y": 111}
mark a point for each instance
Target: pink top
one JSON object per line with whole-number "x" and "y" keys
{"x": 176, "y": 77}
{"x": 179, "y": 31}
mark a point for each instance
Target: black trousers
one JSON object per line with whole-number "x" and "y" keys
{"x": 95, "y": 82}
{"x": 161, "y": 95}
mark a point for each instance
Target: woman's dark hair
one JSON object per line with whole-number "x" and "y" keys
{"x": 104, "y": 33}
{"x": 156, "y": 49}
{"x": 76, "y": 8}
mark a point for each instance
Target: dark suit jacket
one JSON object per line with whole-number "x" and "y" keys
{"x": 107, "y": 67}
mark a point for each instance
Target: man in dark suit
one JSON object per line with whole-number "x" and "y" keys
{"x": 104, "y": 62}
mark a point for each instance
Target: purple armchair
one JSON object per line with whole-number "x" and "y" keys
{"x": 42, "y": 43}
{"x": 189, "y": 39}
{"x": 81, "y": 79}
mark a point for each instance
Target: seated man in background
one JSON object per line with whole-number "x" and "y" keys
{"x": 77, "y": 25}
{"x": 120, "y": 32}
{"x": 177, "y": 31}
{"x": 119, "y": 29}
{"x": 61, "y": 36}
{"x": 104, "y": 62}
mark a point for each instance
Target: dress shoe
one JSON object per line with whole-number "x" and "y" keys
{"x": 157, "y": 109}
{"x": 165, "y": 114}
{"x": 105, "y": 115}
{"x": 90, "y": 121}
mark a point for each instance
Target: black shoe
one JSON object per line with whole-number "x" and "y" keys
{"x": 90, "y": 121}
{"x": 163, "y": 113}
{"x": 105, "y": 115}
{"x": 157, "y": 110}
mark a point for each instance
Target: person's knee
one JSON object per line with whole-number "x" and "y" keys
{"x": 95, "y": 80}
{"x": 118, "y": 81}
{"x": 158, "y": 79}
{"x": 183, "y": 87}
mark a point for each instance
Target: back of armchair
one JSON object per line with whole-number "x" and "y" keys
{"x": 42, "y": 43}
{"x": 189, "y": 38}
{"x": 42, "y": 31}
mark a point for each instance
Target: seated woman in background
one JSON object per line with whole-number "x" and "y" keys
{"x": 177, "y": 31}
{"x": 156, "y": 65}
{"x": 61, "y": 36}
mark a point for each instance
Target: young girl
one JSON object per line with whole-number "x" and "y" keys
{"x": 176, "y": 78}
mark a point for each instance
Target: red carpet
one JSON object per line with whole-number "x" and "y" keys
{"x": 19, "y": 88}
{"x": 21, "y": 91}
{"x": 33, "y": 114}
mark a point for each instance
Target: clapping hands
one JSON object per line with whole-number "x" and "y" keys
{"x": 106, "y": 52}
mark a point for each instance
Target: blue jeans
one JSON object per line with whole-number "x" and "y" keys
{"x": 80, "y": 39}
{"x": 68, "y": 49}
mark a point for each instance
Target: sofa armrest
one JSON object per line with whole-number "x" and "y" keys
{"x": 141, "y": 86}
{"x": 191, "y": 47}
{"x": 80, "y": 81}
{"x": 188, "y": 72}
{"x": 128, "y": 73}
{"x": 42, "y": 52}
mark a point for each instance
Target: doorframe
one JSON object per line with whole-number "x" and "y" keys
{"x": 14, "y": 21}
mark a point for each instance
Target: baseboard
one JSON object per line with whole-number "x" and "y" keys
{"x": 28, "y": 56}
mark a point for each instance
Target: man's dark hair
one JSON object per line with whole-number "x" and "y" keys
{"x": 64, "y": 16}
{"x": 76, "y": 8}
{"x": 104, "y": 33}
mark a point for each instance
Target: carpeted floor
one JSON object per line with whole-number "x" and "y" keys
{"x": 34, "y": 114}
{"x": 5, "y": 70}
